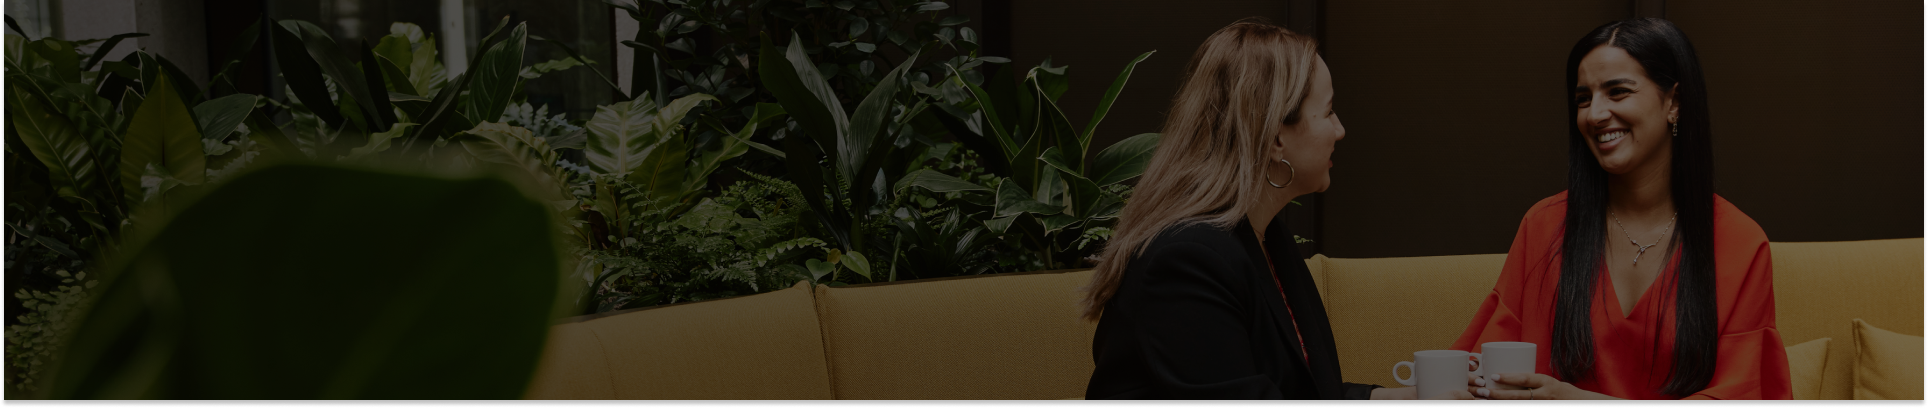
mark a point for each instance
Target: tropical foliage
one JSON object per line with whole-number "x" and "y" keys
{"x": 767, "y": 142}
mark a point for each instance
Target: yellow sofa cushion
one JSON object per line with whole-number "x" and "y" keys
{"x": 1887, "y": 365}
{"x": 1820, "y": 286}
{"x": 1384, "y": 309}
{"x": 1009, "y": 336}
{"x": 765, "y": 346}
{"x": 1806, "y": 363}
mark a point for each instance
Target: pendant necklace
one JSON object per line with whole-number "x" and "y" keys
{"x": 1642, "y": 249}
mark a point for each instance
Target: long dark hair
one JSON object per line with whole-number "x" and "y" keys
{"x": 1669, "y": 60}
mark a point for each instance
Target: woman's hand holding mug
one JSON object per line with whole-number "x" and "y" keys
{"x": 1439, "y": 374}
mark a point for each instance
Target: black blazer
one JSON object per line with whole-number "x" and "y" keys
{"x": 1197, "y": 316}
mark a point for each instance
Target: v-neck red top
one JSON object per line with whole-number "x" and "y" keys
{"x": 1635, "y": 350}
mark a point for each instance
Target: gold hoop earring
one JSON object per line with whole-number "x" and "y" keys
{"x": 1289, "y": 168}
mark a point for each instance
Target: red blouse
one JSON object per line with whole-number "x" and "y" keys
{"x": 1635, "y": 351}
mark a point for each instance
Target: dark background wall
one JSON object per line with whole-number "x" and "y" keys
{"x": 1455, "y": 119}
{"x": 1817, "y": 108}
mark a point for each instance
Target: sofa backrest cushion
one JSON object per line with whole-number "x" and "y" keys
{"x": 1384, "y": 309}
{"x": 1009, "y": 336}
{"x": 574, "y": 366}
{"x": 765, "y": 346}
{"x": 1821, "y": 287}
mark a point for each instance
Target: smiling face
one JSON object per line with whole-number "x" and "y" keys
{"x": 1624, "y": 115}
{"x": 1309, "y": 143}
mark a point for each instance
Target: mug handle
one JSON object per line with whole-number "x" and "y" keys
{"x": 1479, "y": 364}
{"x": 1408, "y": 381}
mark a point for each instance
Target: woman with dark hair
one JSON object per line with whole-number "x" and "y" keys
{"x": 1637, "y": 282}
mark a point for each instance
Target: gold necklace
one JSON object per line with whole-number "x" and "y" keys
{"x": 1643, "y": 248}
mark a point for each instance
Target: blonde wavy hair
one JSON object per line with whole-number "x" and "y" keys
{"x": 1244, "y": 84}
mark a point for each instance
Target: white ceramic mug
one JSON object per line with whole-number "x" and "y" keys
{"x": 1506, "y": 357}
{"x": 1436, "y": 372}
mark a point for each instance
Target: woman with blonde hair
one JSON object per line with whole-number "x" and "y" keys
{"x": 1189, "y": 301}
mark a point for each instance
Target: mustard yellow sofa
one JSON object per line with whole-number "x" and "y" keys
{"x": 1017, "y": 336}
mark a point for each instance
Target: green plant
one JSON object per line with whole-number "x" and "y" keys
{"x": 33, "y": 250}
{"x": 1046, "y": 189}
{"x": 703, "y": 47}
{"x": 745, "y": 240}
{"x": 444, "y": 291}
{"x": 86, "y": 144}
{"x": 856, "y": 147}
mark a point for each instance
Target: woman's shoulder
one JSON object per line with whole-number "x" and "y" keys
{"x": 1733, "y": 226}
{"x": 1546, "y": 219}
{"x": 1194, "y": 236}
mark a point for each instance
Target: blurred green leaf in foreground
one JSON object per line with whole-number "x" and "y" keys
{"x": 316, "y": 282}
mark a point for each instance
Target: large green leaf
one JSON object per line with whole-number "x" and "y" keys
{"x": 442, "y": 112}
{"x": 857, "y": 263}
{"x": 397, "y": 49}
{"x": 184, "y": 85}
{"x": 105, "y": 47}
{"x": 219, "y": 117}
{"x": 162, "y": 133}
{"x": 1123, "y": 160}
{"x": 349, "y": 81}
{"x": 992, "y": 118}
{"x": 1054, "y": 130}
{"x": 63, "y": 61}
{"x": 663, "y": 170}
{"x": 1081, "y": 195}
{"x": 493, "y": 79}
{"x": 26, "y": 190}
{"x": 301, "y": 73}
{"x": 263, "y": 131}
{"x": 1111, "y": 95}
{"x": 1051, "y": 81}
{"x": 731, "y": 146}
{"x": 16, "y": 46}
{"x": 377, "y": 88}
{"x": 801, "y": 160}
{"x": 860, "y": 149}
{"x": 223, "y": 81}
{"x": 1054, "y": 157}
{"x": 70, "y": 161}
{"x": 396, "y": 79}
{"x": 236, "y": 299}
{"x": 1012, "y": 200}
{"x": 794, "y": 80}
{"x": 936, "y": 182}
{"x": 1057, "y": 222}
{"x": 622, "y": 134}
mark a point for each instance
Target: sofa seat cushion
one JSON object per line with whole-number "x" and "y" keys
{"x": 1007, "y": 336}
{"x": 765, "y": 346}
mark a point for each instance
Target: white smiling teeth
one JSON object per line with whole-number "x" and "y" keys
{"x": 1611, "y": 136}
